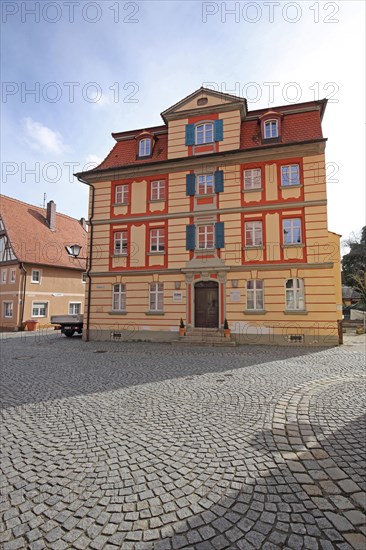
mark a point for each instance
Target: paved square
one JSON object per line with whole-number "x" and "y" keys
{"x": 156, "y": 446}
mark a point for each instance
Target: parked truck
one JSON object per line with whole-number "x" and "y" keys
{"x": 68, "y": 324}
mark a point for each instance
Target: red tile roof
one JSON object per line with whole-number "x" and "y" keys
{"x": 124, "y": 153}
{"x": 33, "y": 241}
{"x": 296, "y": 128}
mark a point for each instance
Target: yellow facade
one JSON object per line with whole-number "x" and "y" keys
{"x": 259, "y": 253}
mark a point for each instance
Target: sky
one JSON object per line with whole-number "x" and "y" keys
{"x": 73, "y": 72}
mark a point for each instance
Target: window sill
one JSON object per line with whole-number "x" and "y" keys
{"x": 119, "y": 255}
{"x": 140, "y": 157}
{"x": 254, "y": 190}
{"x": 295, "y": 312}
{"x": 115, "y": 312}
{"x": 156, "y": 253}
{"x": 254, "y": 247}
{"x": 154, "y": 313}
{"x": 276, "y": 139}
{"x": 204, "y": 195}
{"x": 121, "y": 204}
{"x": 255, "y": 311}
{"x": 156, "y": 200}
{"x": 293, "y": 245}
{"x": 203, "y": 250}
{"x": 295, "y": 186}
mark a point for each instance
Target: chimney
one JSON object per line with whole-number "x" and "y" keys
{"x": 83, "y": 223}
{"x": 51, "y": 215}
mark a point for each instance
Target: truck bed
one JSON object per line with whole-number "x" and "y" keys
{"x": 67, "y": 319}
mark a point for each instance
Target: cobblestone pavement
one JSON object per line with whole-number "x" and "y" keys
{"x": 154, "y": 446}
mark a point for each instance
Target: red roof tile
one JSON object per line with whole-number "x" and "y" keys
{"x": 296, "y": 128}
{"x": 33, "y": 241}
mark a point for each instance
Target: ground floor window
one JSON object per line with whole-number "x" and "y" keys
{"x": 74, "y": 308}
{"x": 39, "y": 309}
{"x": 8, "y": 310}
{"x": 156, "y": 296}
{"x": 119, "y": 297}
{"x": 295, "y": 294}
{"x": 255, "y": 295}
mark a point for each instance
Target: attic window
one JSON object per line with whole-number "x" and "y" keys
{"x": 202, "y": 101}
{"x": 145, "y": 147}
{"x": 271, "y": 129}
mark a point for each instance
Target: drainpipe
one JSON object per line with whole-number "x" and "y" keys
{"x": 89, "y": 261}
{"x": 23, "y": 292}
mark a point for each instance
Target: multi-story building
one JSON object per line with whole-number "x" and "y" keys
{"x": 38, "y": 277}
{"x": 220, "y": 213}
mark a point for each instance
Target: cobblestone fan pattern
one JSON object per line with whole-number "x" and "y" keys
{"x": 151, "y": 446}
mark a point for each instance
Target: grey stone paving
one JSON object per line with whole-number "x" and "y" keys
{"x": 151, "y": 446}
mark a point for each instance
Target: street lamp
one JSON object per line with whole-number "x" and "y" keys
{"x": 74, "y": 251}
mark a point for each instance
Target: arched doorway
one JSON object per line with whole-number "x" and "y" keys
{"x": 206, "y": 304}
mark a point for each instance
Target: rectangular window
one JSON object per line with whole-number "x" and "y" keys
{"x": 145, "y": 147}
{"x": 4, "y": 276}
{"x": 271, "y": 129}
{"x": 13, "y": 275}
{"x": 83, "y": 277}
{"x": 157, "y": 190}
{"x": 74, "y": 308}
{"x": 253, "y": 234}
{"x": 120, "y": 243}
{"x": 39, "y": 309}
{"x": 7, "y": 310}
{"x": 157, "y": 240}
{"x": 204, "y": 133}
{"x": 290, "y": 175}
{"x": 206, "y": 236}
{"x": 36, "y": 276}
{"x": 156, "y": 296}
{"x": 121, "y": 194}
{"x": 292, "y": 231}
{"x": 119, "y": 297}
{"x": 205, "y": 184}
{"x": 295, "y": 294}
{"x": 253, "y": 178}
{"x": 255, "y": 295}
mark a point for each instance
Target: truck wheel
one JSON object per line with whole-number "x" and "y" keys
{"x": 69, "y": 332}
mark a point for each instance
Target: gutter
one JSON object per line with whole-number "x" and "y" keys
{"x": 89, "y": 258}
{"x": 113, "y": 170}
{"x": 23, "y": 293}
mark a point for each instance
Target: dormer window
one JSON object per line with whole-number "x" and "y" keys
{"x": 145, "y": 147}
{"x": 270, "y": 129}
{"x": 204, "y": 133}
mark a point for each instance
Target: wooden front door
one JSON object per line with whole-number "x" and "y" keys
{"x": 206, "y": 309}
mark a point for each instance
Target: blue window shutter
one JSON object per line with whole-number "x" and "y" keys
{"x": 190, "y": 237}
{"x": 189, "y": 134}
{"x": 190, "y": 184}
{"x": 219, "y": 130}
{"x": 219, "y": 235}
{"x": 219, "y": 181}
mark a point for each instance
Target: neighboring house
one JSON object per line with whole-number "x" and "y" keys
{"x": 219, "y": 213}
{"x": 350, "y": 296}
{"x": 38, "y": 277}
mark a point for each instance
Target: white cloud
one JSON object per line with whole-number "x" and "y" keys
{"x": 43, "y": 139}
